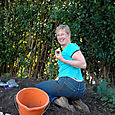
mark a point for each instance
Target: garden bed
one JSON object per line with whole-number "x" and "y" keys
{"x": 7, "y": 100}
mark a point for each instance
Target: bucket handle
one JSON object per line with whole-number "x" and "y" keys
{"x": 46, "y": 108}
{"x": 16, "y": 105}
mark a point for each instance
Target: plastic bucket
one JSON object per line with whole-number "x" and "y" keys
{"x": 32, "y": 101}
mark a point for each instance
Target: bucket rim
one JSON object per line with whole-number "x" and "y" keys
{"x": 33, "y": 108}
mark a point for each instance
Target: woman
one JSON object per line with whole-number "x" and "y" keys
{"x": 70, "y": 83}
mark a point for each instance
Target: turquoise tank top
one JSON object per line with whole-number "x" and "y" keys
{"x": 66, "y": 69}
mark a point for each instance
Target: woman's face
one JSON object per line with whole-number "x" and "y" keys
{"x": 62, "y": 37}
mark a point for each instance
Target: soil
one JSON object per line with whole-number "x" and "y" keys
{"x": 8, "y": 105}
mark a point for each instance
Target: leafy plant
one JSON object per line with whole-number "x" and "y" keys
{"x": 28, "y": 34}
{"x": 107, "y": 95}
{"x": 6, "y": 74}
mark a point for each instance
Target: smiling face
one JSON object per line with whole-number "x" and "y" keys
{"x": 63, "y": 34}
{"x": 63, "y": 37}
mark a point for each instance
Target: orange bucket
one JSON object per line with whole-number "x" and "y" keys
{"x": 32, "y": 101}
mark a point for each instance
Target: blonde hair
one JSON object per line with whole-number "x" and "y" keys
{"x": 63, "y": 27}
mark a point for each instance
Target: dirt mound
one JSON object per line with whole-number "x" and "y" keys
{"x": 7, "y": 100}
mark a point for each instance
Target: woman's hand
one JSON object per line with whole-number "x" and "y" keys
{"x": 58, "y": 55}
{"x": 78, "y": 59}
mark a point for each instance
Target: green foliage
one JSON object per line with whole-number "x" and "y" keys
{"x": 52, "y": 69}
{"x": 27, "y": 35}
{"x": 107, "y": 95}
{"x": 94, "y": 27}
{"x": 6, "y": 74}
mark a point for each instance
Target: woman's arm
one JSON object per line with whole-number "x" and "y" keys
{"x": 78, "y": 59}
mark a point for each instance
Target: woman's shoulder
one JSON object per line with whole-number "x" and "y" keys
{"x": 73, "y": 45}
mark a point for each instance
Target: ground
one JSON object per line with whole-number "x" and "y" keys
{"x": 8, "y": 105}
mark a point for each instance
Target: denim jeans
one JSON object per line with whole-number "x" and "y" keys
{"x": 64, "y": 86}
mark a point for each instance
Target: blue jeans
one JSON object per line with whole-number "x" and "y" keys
{"x": 64, "y": 86}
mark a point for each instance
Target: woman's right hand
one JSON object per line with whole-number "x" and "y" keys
{"x": 58, "y": 52}
{"x": 58, "y": 55}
